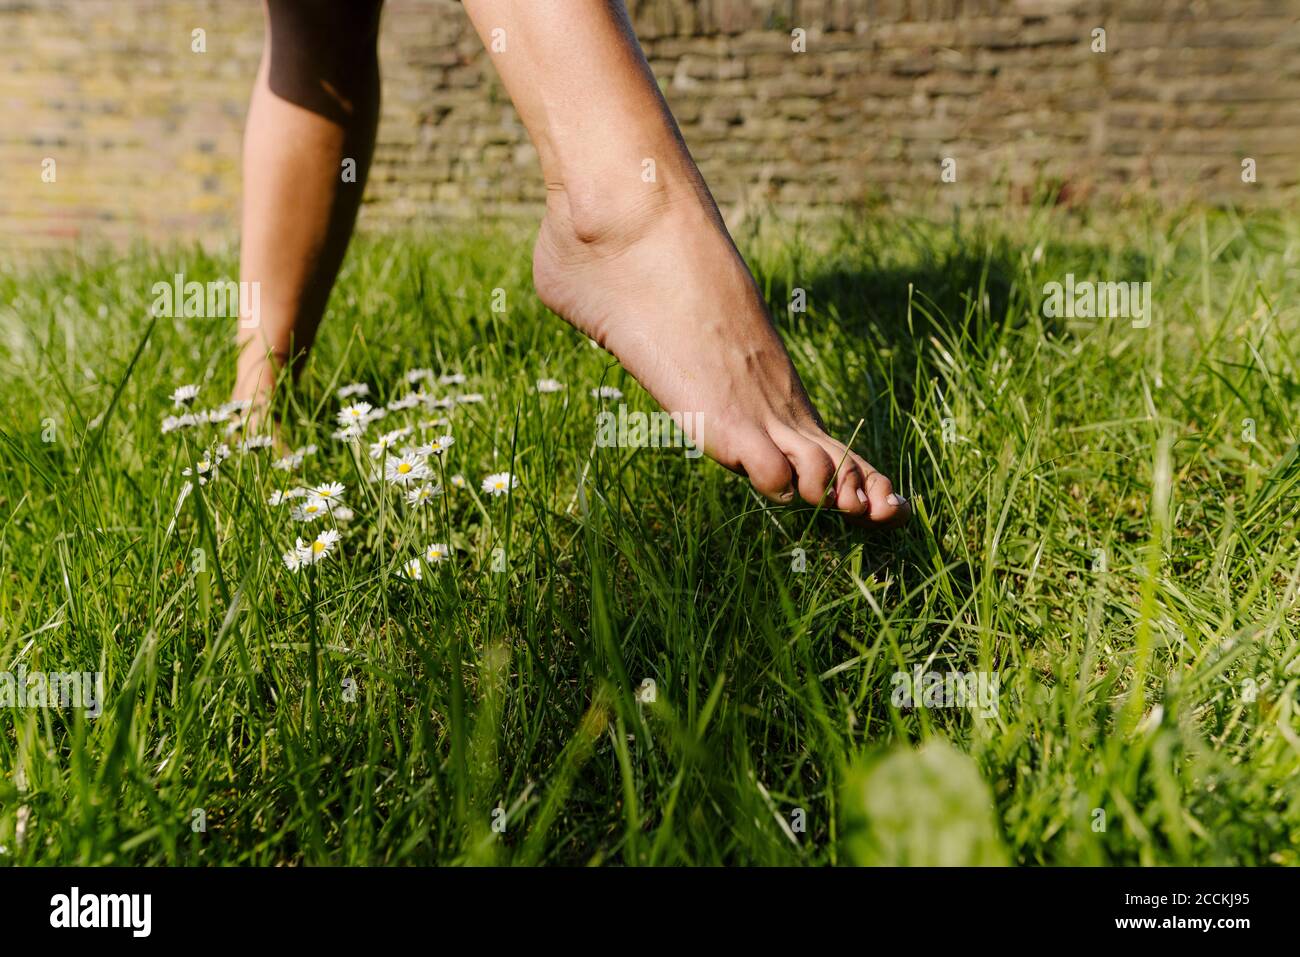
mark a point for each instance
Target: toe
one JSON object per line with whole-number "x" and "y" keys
{"x": 813, "y": 468}
{"x": 768, "y": 470}
{"x": 865, "y": 494}
{"x": 885, "y": 506}
{"x": 850, "y": 479}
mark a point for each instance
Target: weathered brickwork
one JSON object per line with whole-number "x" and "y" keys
{"x": 146, "y": 133}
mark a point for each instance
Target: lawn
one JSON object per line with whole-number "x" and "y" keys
{"x": 629, "y": 658}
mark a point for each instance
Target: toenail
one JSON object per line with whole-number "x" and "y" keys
{"x": 896, "y": 500}
{"x": 787, "y": 495}
{"x": 862, "y": 496}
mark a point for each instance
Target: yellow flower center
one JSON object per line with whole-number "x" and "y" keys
{"x": 317, "y": 547}
{"x": 404, "y": 467}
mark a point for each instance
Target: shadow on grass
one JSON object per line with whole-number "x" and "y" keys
{"x": 883, "y": 306}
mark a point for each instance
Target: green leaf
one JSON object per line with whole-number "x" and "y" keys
{"x": 926, "y": 807}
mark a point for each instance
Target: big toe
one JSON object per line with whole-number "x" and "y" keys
{"x": 767, "y": 468}
{"x": 814, "y": 469}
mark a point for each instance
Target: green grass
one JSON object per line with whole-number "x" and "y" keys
{"x": 1095, "y": 523}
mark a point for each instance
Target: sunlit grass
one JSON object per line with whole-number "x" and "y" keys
{"x": 1105, "y": 519}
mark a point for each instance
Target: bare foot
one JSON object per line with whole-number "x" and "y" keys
{"x": 659, "y": 284}
{"x": 255, "y": 380}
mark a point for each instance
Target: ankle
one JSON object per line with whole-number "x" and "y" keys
{"x": 255, "y": 380}
{"x": 611, "y": 201}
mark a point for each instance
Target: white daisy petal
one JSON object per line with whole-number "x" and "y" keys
{"x": 422, "y": 495}
{"x": 183, "y": 395}
{"x": 353, "y": 389}
{"x": 320, "y": 547}
{"x": 406, "y": 469}
{"x": 500, "y": 483}
{"x": 356, "y": 413}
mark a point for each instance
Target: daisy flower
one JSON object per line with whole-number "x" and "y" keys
{"x": 412, "y": 570}
{"x": 351, "y": 389}
{"x": 342, "y": 514}
{"x": 280, "y": 498}
{"x": 184, "y": 395}
{"x": 425, "y": 493}
{"x": 433, "y": 403}
{"x": 320, "y": 546}
{"x": 427, "y": 424}
{"x": 458, "y": 481}
{"x": 348, "y": 434}
{"x": 354, "y": 414}
{"x": 256, "y": 442}
{"x": 439, "y": 445}
{"x": 408, "y": 401}
{"x": 206, "y": 467}
{"x": 469, "y": 397}
{"x": 234, "y": 407}
{"x": 294, "y": 459}
{"x": 293, "y": 558}
{"x": 500, "y": 483}
{"x": 171, "y": 423}
{"x": 437, "y": 552}
{"x": 454, "y": 378}
{"x": 415, "y": 375}
{"x": 329, "y": 492}
{"x": 406, "y": 468}
{"x": 549, "y": 385}
{"x": 388, "y": 440}
{"x": 606, "y": 392}
{"x": 212, "y": 416}
{"x": 312, "y": 509}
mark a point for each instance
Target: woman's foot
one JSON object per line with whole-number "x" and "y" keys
{"x": 255, "y": 379}
{"x": 657, "y": 281}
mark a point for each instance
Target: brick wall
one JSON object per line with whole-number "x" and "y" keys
{"x": 145, "y": 133}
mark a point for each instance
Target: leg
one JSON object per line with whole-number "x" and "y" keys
{"x": 647, "y": 269}
{"x": 315, "y": 104}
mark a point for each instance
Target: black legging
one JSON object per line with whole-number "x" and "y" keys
{"x": 324, "y": 56}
